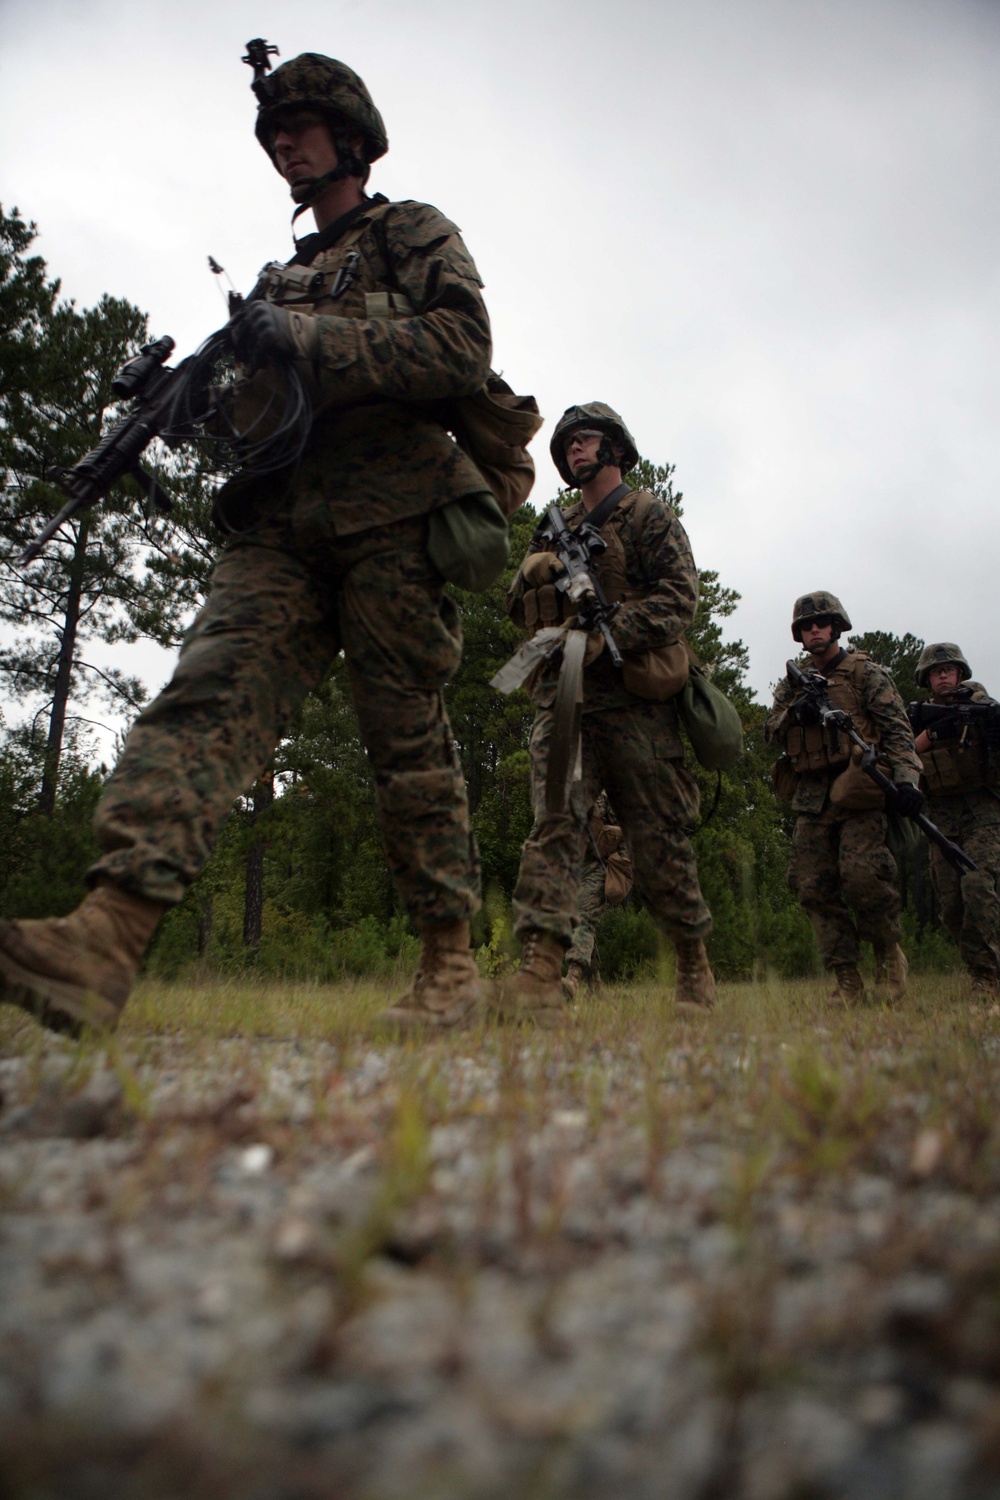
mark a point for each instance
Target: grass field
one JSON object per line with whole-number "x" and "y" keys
{"x": 249, "y": 1250}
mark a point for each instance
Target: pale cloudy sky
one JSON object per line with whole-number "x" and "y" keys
{"x": 765, "y": 230}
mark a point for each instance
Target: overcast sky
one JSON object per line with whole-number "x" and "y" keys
{"x": 764, "y": 230}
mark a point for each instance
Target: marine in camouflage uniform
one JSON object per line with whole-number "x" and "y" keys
{"x": 841, "y": 863}
{"x": 382, "y": 308}
{"x": 961, "y": 777}
{"x": 606, "y": 878}
{"x": 630, "y": 745}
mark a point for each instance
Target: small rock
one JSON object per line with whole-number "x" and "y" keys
{"x": 294, "y": 1240}
{"x": 928, "y": 1149}
{"x": 253, "y": 1161}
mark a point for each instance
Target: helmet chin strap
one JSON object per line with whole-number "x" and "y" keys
{"x": 606, "y": 458}
{"x": 307, "y": 189}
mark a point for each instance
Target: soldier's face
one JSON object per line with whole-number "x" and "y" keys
{"x": 581, "y": 449}
{"x": 943, "y": 679}
{"x": 303, "y": 146}
{"x": 817, "y": 634}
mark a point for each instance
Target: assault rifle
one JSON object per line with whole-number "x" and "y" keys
{"x": 960, "y": 717}
{"x": 172, "y": 404}
{"x": 578, "y": 551}
{"x": 153, "y": 384}
{"x": 816, "y": 689}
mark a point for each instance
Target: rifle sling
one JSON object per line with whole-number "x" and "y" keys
{"x": 606, "y": 507}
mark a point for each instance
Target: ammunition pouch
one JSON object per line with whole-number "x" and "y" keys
{"x": 543, "y": 606}
{"x": 784, "y": 780}
{"x": 617, "y": 878}
{"x": 856, "y": 792}
{"x": 951, "y": 767}
{"x": 657, "y": 675}
{"x": 811, "y": 747}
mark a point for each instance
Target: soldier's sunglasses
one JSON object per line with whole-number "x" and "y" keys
{"x": 582, "y": 435}
{"x": 820, "y": 622}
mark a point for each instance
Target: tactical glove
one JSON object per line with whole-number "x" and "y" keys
{"x": 909, "y": 798}
{"x": 540, "y": 568}
{"x": 807, "y": 712}
{"x": 262, "y": 333}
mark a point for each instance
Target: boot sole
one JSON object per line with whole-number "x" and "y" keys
{"x": 66, "y": 1008}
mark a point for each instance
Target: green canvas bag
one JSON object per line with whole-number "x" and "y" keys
{"x": 713, "y": 726}
{"x": 468, "y": 541}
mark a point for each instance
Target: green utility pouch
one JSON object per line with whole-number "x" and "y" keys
{"x": 712, "y": 723}
{"x": 468, "y": 541}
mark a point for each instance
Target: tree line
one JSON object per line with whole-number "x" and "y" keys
{"x": 298, "y": 883}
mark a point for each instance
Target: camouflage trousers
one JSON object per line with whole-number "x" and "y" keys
{"x": 276, "y": 617}
{"x": 656, "y": 801}
{"x": 841, "y": 860}
{"x": 970, "y": 902}
{"x": 590, "y": 905}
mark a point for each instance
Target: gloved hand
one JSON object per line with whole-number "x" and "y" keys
{"x": 262, "y": 332}
{"x": 806, "y": 711}
{"x": 540, "y": 568}
{"x": 909, "y": 798}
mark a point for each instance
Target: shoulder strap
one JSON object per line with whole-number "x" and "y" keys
{"x": 606, "y": 508}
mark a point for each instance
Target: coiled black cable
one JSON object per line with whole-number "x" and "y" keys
{"x": 277, "y": 436}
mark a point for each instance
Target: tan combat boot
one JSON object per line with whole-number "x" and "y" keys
{"x": 533, "y": 994}
{"x": 574, "y": 977}
{"x": 77, "y": 971}
{"x": 694, "y": 993}
{"x": 447, "y": 992}
{"x": 849, "y": 987}
{"x": 891, "y": 970}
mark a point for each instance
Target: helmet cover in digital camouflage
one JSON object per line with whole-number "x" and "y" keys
{"x": 822, "y": 602}
{"x": 312, "y": 81}
{"x": 941, "y": 654}
{"x": 605, "y": 419}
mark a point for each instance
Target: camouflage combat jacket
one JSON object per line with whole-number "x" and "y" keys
{"x": 868, "y": 693}
{"x": 387, "y": 303}
{"x": 961, "y": 762}
{"x": 649, "y": 567}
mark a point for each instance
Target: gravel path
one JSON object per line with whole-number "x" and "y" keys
{"x": 753, "y": 1260}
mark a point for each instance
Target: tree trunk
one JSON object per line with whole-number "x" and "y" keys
{"x": 253, "y": 900}
{"x": 64, "y": 673}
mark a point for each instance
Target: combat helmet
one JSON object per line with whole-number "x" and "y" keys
{"x": 941, "y": 654}
{"x": 822, "y": 602}
{"x": 605, "y": 419}
{"x": 312, "y": 81}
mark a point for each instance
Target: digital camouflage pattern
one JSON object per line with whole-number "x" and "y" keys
{"x": 884, "y": 709}
{"x": 840, "y": 860}
{"x": 590, "y": 904}
{"x": 605, "y": 419}
{"x": 808, "y": 606}
{"x": 592, "y": 897}
{"x": 970, "y": 899}
{"x": 631, "y": 748}
{"x": 336, "y": 559}
{"x": 312, "y": 81}
{"x": 276, "y": 617}
{"x": 970, "y": 816}
{"x": 379, "y": 450}
{"x": 661, "y": 575}
{"x": 841, "y": 863}
{"x": 632, "y": 753}
{"x": 941, "y": 654}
